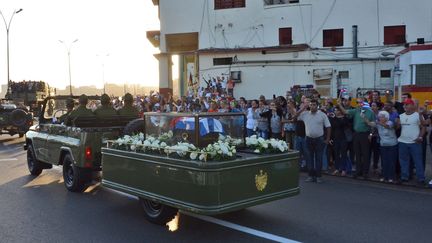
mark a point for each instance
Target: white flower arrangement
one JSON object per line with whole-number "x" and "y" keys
{"x": 261, "y": 145}
{"x": 217, "y": 151}
{"x": 230, "y": 140}
{"x": 223, "y": 149}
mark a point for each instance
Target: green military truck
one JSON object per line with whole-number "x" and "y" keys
{"x": 76, "y": 147}
{"x": 29, "y": 93}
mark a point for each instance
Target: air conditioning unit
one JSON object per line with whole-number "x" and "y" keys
{"x": 236, "y": 76}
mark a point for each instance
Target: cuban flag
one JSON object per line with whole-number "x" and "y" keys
{"x": 206, "y": 125}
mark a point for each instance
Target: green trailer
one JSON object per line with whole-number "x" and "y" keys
{"x": 166, "y": 184}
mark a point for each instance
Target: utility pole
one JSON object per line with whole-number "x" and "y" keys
{"x": 68, "y": 49}
{"x": 7, "y": 25}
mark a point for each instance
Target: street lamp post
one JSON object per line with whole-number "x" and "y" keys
{"x": 68, "y": 49}
{"x": 103, "y": 70}
{"x": 7, "y": 25}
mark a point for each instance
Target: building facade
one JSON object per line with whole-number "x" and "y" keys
{"x": 268, "y": 46}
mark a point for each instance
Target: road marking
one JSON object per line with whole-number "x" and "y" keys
{"x": 224, "y": 223}
{"x": 241, "y": 228}
{"x": 11, "y": 159}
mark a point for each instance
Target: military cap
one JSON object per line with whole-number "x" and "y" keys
{"x": 83, "y": 99}
{"x": 128, "y": 97}
{"x": 105, "y": 99}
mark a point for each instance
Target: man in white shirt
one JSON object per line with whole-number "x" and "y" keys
{"x": 410, "y": 141}
{"x": 315, "y": 121}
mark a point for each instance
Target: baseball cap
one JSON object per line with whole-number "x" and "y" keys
{"x": 409, "y": 102}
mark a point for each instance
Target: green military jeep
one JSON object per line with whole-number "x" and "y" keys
{"x": 14, "y": 120}
{"x": 77, "y": 147}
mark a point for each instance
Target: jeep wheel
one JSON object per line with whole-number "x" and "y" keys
{"x": 34, "y": 166}
{"x": 75, "y": 178}
{"x": 157, "y": 213}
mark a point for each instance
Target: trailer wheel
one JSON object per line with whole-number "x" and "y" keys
{"x": 34, "y": 166}
{"x": 157, "y": 213}
{"x": 75, "y": 178}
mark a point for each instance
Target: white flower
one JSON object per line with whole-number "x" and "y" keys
{"x": 230, "y": 154}
{"x": 202, "y": 157}
{"x": 193, "y": 156}
{"x": 257, "y": 151}
{"x": 224, "y": 148}
{"x": 133, "y": 147}
{"x": 119, "y": 141}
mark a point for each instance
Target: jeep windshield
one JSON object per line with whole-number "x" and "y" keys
{"x": 54, "y": 107}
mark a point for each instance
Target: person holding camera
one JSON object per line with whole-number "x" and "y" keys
{"x": 362, "y": 131}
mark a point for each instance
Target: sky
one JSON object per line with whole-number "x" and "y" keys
{"x": 102, "y": 27}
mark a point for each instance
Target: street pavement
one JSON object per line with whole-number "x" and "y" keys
{"x": 39, "y": 209}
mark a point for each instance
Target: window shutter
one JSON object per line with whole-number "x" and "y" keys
{"x": 223, "y": 4}
{"x": 333, "y": 38}
{"x": 285, "y": 36}
{"x": 394, "y": 35}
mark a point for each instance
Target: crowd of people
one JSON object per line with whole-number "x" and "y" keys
{"x": 357, "y": 137}
{"x": 388, "y": 138}
{"x": 28, "y": 86}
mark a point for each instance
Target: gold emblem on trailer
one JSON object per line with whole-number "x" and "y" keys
{"x": 261, "y": 181}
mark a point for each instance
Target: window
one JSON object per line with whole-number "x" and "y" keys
{"x": 343, "y": 74}
{"x": 223, "y": 4}
{"x": 333, "y": 37}
{"x": 394, "y": 35}
{"x": 275, "y": 2}
{"x": 385, "y": 73}
{"x": 423, "y": 75}
{"x": 222, "y": 61}
{"x": 285, "y": 36}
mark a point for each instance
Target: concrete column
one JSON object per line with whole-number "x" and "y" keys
{"x": 165, "y": 74}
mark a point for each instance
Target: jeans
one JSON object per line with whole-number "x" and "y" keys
{"x": 315, "y": 150}
{"x": 263, "y": 134}
{"x": 389, "y": 156}
{"x": 375, "y": 150}
{"x": 250, "y": 132}
{"x": 300, "y": 145}
{"x": 325, "y": 157}
{"x": 290, "y": 138}
{"x": 340, "y": 154}
{"x": 362, "y": 153}
{"x": 413, "y": 151}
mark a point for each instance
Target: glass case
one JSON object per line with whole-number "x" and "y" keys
{"x": 199, "y": 129}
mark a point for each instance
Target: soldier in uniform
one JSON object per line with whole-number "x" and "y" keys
{"x": 105, "y": 110}
{"x": 80, "y": 111}
{"x": 69, "y": 107}
{"x": 128, "y": 109}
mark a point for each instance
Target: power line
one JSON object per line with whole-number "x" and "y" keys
{"x": 323, "y": 23}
